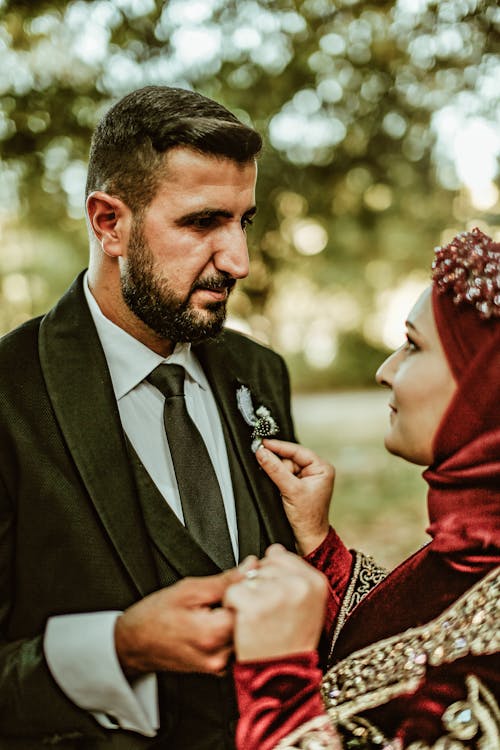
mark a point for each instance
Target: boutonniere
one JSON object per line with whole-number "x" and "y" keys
{"x": 263, "y": 423}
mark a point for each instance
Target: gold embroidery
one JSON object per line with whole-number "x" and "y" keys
{"x": 370, "y": 574}
{"x": 396, "y": 665}
{"x": 366, "y": 574}
{"x": 477, "y": 719}
{"x": 376, "y": 674}
{"x": 317, "y": 734}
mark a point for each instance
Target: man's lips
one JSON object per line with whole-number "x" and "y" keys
{"x": 217, "y": 293}
{"x": 220, "y": 293}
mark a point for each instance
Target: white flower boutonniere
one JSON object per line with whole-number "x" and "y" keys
{"x": 263, "y": 423}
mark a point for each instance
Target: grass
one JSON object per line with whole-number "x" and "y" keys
{"x": 379, "y": 503}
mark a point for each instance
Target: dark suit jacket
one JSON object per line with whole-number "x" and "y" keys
{"x": 72, "y": 534}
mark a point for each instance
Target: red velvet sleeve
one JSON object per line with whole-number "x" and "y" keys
{"x": 275, "y": 697}
{"x": 334, "y": 560}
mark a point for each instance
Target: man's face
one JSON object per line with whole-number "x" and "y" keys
{"x": 189, "y": 248}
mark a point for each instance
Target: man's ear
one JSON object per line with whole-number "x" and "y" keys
{"x": 110, "y": 219}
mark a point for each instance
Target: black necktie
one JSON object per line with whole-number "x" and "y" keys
{"x": 201, "y": 498}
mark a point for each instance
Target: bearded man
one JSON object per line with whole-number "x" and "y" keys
{"x": 127, "y": 478}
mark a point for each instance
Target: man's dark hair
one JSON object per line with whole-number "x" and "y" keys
{"x": 128, "y": 146}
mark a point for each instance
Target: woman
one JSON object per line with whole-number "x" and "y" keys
{"x": 413, "y": 656}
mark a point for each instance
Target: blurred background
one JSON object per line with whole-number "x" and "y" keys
{"x": 382, "y": 140}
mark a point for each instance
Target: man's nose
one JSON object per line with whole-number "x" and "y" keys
{"x": 231, "y": 254}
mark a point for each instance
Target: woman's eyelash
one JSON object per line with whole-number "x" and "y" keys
{"x": 410, "y": 345}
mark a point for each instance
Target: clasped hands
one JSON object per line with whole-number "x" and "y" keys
{"x": 261, "y": 609}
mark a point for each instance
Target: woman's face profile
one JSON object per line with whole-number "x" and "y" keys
{"x": 421, "y": 384}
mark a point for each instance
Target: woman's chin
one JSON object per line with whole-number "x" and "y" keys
{"x": 413, "y": 456}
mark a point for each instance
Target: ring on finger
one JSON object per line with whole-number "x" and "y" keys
{"x": 251, "y": 577}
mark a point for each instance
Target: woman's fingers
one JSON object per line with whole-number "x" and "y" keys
{"x": 278, "y": 558}
{"x": 305, "y": 483}
{"x": 277, "y": 471}
{"x": 304, "y": 461}
{"x": 300, "y": 455}
{"x": 279, "y": 608}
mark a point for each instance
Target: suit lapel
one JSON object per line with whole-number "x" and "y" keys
{"x": 83, "y": 400}
{"x": 226, "y": 375}
{"x": 184, "y": 556}
{"x": 82, "y": 396}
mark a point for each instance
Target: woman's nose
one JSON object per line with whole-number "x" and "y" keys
{"x": 385, "y": 372}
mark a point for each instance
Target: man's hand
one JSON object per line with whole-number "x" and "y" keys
{"x": 306, "y": 484}
{"x": 181, "y": 628}
{"x": 280, "y": 610}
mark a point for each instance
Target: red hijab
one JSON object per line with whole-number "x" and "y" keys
{"x": 464, "y": 480}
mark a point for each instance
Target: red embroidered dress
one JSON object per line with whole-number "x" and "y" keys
{"x": 413, "y": 656}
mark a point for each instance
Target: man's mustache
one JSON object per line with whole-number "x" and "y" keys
{"x": 214, "y": 282}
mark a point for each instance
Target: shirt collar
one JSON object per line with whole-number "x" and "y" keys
{"x": 129, "y": 361}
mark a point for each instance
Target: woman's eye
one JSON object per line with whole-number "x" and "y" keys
{"x": 410, "y": 345}
{"x": 246, "y": 222}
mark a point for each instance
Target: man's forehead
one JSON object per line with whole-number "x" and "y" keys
{"x": 203, "y": 179}
{"x": 180, "y": 158}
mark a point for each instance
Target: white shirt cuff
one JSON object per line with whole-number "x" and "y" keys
{"x": 80, "y": 652}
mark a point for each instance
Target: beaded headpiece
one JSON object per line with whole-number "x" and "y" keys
{"x": 463, "y": 479}
{"x": 469, "y": 266}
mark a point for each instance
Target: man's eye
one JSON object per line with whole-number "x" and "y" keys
{"x": 203, "y": 222}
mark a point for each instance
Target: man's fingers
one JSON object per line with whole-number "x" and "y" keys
{"x": 217, "y": 626}
{"x": 209, "y": 590}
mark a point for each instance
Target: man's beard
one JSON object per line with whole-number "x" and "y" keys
{"x": 154, "y": 301}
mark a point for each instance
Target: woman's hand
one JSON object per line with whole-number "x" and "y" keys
{"x": 306, "y": 484}
{"x": 279, "y": 607}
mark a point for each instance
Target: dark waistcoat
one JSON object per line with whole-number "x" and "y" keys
{"x": 197, "y": 712}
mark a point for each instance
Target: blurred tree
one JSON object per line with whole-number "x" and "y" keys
{"x": 369, "y": 110}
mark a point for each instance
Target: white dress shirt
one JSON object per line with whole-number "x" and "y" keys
{"x": 80, "y": 648}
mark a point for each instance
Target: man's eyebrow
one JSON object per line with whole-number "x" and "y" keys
{"x": 204, "y": 213}
{"x": 211, "y": 213}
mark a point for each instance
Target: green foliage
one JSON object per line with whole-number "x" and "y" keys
{"x": 345, "y": 93}
{"x": 379, "y": 500}
{"x": 354, "y": 365}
